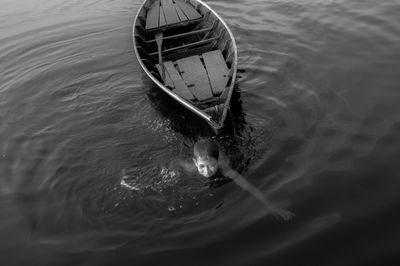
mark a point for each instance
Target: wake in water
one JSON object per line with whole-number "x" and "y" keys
{"x": 167, "y": 188}
{"x": 166, "y": 178}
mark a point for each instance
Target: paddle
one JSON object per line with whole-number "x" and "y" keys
{"x": 159, "y": 40}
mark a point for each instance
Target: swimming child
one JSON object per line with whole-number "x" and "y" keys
{"x": 208, "y": 161}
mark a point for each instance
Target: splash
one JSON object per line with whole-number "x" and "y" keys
{"x": 164, "y": 179}
{"x": 129, "y": 185}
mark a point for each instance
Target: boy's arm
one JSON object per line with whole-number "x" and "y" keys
{"x": 243, "y": 183}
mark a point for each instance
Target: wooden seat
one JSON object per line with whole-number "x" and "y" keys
{"x": 164, "y": 13}
{"x": 193, "y": 80}
{"x": 174, "y": 80}
{"x": 187, "y": 46}
{"x": 194, "y": 73}
{"x": 182, "y": 35}
{"x": 217, "y": 70}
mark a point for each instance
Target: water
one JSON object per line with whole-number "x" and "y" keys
{"x": 315, "y": 127}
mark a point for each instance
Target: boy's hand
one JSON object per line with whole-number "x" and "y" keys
{"x": 284, "y": 214}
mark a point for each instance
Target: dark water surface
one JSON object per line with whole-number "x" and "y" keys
{"x": 316, "y": 127}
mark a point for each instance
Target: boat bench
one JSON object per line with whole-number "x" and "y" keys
{"x": 197, "y": 77}
{"x": 164, "y": 13}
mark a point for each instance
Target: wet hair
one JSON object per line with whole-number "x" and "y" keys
{"x": 206, "y": 149}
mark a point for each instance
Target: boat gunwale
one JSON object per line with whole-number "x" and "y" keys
{"x": 216, "y": 126}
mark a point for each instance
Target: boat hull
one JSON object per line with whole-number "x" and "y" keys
{"x": 207, "y": 40}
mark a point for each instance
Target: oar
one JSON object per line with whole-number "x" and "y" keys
{"x": 159, "y": 40}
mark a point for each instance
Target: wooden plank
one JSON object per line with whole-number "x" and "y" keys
{"x": 168, "y": 80}
{"x": 193, "y": 51}
{"x": 217, "y": 70}
{"x": 173, "y": 73}
{"x": 182, "y": 90}
{"x": 175, "y": 81}
{"x": 186, "y": 46}
{"x": 163, "y": 22}
{"x": 181, "y": 35}
{"x": 180, "y": 13}
{"x": 169, "y": 11}
{"x": 153, "y": 16}
{"x": 188, "y": 9}
{"x": 193, "y": 72}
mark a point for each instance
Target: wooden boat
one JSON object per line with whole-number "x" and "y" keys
{"x": 189, "y": 52}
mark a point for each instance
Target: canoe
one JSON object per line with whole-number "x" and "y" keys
{"x": 189, "y": 52}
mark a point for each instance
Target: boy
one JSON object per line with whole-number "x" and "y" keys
{"x": 209, "y": 162}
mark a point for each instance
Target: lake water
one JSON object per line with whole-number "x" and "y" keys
{"x": 315, "y": 126}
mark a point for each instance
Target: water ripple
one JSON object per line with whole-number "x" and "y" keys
{"x": 315, "y": 112}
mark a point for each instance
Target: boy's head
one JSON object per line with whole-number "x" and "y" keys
{"x": 205, "y": 158}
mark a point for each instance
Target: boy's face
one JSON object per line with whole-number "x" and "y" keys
{"x": 207, "y": 167}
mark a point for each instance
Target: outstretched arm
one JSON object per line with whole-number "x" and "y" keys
{"x": 243, "y": 183}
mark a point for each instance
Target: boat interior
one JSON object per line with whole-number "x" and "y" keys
{"x": 196, "y": 52}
